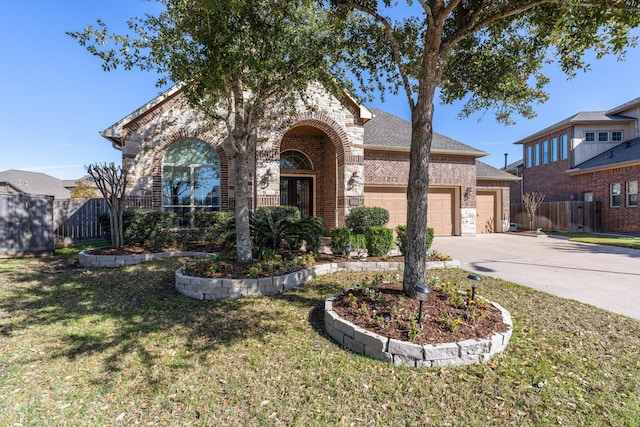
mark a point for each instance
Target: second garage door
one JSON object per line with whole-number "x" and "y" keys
{"x": 394, "y": 199}
{"x": 486, "y": 212}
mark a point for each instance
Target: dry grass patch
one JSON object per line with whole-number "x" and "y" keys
{"x": 121, "y": 347}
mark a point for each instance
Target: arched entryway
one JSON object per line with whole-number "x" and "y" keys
{"x": 308, "y": 173}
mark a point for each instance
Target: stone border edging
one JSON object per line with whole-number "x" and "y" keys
{"x": 204, "y": 288}
{"x": 112, "y": 261}
{"x": 404, "y": 353}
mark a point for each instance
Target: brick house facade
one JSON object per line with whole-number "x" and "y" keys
{"x": 325, "y": 159}
{"x": 591, "y": 156}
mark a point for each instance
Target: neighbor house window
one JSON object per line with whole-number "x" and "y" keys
{"x": 564, "y": 147}
{"x": 545, "y": 152}
{"x": 554, "y": 149}
{"x": 190, "y": 178}
{"x": 587, "y": 197}
{"x": 632, "y": 193}
{"x": 536, "y": 153}
{"x": 529, "y": 156}
{"x": 615, "y": 198}
{"x": 616, "y": 136}
{"x": 590, "y": 137}
{"x": 603, "y": 136}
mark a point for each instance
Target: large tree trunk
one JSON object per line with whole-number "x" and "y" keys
{"x": 241, "y": 184}
{"x": 415, "y": 267}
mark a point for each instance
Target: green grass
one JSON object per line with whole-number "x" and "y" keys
{"x": 602, "y": 239}
{"x": 120, "y": 347}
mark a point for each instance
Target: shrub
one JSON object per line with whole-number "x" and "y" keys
{"x": 358, "y": 241}
{"x": 144, "y": 224}
{"x": 340, "y": 237}
{"x": 379, "y": 240}
{"x": 401, "y": 238}
{"x": 270, "y": 230}
{"x": 362, "y": 217}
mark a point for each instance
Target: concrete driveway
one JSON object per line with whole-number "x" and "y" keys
{"x": 605, "y": 276}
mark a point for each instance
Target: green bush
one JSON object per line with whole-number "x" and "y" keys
{"x": 358, "y": 241}
{"x": 277, "y": 213}
{"x": 273, "y": 229}
{"x": 144, "y": 224}
{"x": 340, "y": 237}
{"x": 379, "y": 240}
{"x": 362, "y": 217}
{"x": 401, "y": 238}
{"x": 208, "y": 219}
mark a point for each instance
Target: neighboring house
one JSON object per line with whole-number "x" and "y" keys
{"x": 516, "y": 169}
{"x": 17, "y": 181}
{"x": 591, "y": 156}
{"x": 325, "y": 159}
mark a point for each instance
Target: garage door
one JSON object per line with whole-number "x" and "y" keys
{"x": 394, "y": 199}
{"x": 486, "y": 211}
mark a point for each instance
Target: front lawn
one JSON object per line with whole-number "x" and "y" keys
{"x": 631, "y": 242}
{"x": 121, "y": 347}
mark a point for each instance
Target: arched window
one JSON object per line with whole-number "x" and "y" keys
{"x": 190, "y": 177}
{"x": 294, "y": 160}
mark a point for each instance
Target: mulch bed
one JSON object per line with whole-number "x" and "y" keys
{"x": 364, "y": 311}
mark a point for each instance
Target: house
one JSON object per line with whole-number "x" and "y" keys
{"x": 17, "y": 181}
{"x": 590, "y": 156}
{"x": 326, "y": 158}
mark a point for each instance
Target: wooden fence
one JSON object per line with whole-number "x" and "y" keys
{"x": 26, "y": 225}
{"x": 574, "y": 217}
{"x": 76, "y": 220}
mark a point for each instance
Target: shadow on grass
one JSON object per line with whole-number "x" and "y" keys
{"x": 116, "y": 311}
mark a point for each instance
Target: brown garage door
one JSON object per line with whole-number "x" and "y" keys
{"x": 394, "y": 199}
{"x": 486, "y": 211}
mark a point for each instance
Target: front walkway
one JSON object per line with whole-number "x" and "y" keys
{"x": 605, "y": 276}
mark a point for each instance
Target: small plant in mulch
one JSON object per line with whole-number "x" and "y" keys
{"x": 378, "y": 304}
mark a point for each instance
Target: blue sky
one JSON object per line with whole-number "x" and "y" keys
{"x": 56, "y": 97}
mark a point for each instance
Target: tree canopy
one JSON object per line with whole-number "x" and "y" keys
{"x": 488, "y": 54}
{"x": 233, "y": 58}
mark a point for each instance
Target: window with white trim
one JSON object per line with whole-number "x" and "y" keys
{"x": 590, "y": 136}
{"x": 632, "y": 193}
{"x": 529, "y": 156}
{"x": 603, "y": 136}
{"x": 615, "y": 195}
{"x": 536, "y": 154}
{"x": 554, "y": 149}
{"x": 587, "y": 196}
{"x": 616, "y": 136}
{"x": 545, "y": 152}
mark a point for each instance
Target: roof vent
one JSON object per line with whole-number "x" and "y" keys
{"x": 628, "y": 144}
{"x": 611, "y": 154}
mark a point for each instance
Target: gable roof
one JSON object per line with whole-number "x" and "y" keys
{"x": 626, "y": 106}
{"x": 625, "y": 154}
{"x": 35, "y": 183}
{"x": 583, "y": 117}
{"x": 386, "y": 131}
{"x": 485, "y": 172}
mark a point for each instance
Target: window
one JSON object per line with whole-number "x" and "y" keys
{"x": 190, "y": 178}
{"x": 616, "y": 136}
{"x": 545, "y": 152}
{"x": 587, "y": 197}
{"x": 536, "y": 153}
{"x": 529, "y": 156}
{"x": 614, "y": 196}
{"x": 554, "y": 149}
{"x": 564, "y": 147}
{"x": 590, "y": 137}
{"x": 632, "y": 193}
{"x": 294, "y": 160}
{"x": 603, "y": 136}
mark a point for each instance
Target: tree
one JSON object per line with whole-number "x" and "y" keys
{"x": 531, "y": 202}
{"x": 111, "y": 180}
{"x": 234, "y": 59}
{"x": 83, "y": 189}
{"x": 488, "y": 53}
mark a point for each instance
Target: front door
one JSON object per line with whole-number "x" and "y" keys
{"x": 296, "y": 191}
